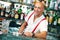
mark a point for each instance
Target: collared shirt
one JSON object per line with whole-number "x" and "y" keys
{"x": 31, "y": 25}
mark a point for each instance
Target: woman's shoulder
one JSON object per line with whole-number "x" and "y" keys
{"x": 30, "y": 13}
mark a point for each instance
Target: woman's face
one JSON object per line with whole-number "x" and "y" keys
{"x": 38, "y": 8}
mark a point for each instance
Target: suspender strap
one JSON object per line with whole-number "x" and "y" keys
{"x": 30, "y": 16}
{"x": 37, "y": 25}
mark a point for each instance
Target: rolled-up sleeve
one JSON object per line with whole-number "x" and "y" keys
{"x": 44, "y": 26}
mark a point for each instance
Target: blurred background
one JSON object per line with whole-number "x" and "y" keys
{"x": 13, "y": 12}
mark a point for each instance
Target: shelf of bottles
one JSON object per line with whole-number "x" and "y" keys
{"x": 52, "y": 14}
{"x": 15, "y": 10}
{"x": 18, "y": 10}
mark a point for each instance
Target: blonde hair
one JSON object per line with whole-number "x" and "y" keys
{"x": 40, "y": 3}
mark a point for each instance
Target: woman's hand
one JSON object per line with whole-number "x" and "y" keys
{"x": 29, "y": 34}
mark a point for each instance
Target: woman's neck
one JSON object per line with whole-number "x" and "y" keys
{"x": 38, "y": 15}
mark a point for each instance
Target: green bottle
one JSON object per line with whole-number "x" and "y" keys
{"x": 20, "y": 11}
{"x": 55, "y": 19}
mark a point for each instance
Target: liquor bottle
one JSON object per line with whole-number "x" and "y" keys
{"x": 52, "y": 4}
{"x": 46, "y": 3}
{"x": 47, "y": 17}
{"x": 12, "y": 13}
{"x": 50, "y": 17}
{"x": 56, "y": 5}
{"x": 19, "y": 10}
{"x": 3, "y": 12}
{"x": 58, "y": 19}
{"x": 58, "y": 22}
{"x": 29, "y": 1}
{"x": 55, "y": 19}
{"x": 0, "y": 11}
{"x": 24, "y": 1}
{"x": 22, "y": 16}
{"x": 16, "y": 15}
{"x": 6, "y": 15}
{"x": 21, "y": 1}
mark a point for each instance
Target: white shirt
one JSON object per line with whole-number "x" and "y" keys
{"x": 31, "y": 25}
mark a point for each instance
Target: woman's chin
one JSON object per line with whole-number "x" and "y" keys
{"x": 35, "y": 14}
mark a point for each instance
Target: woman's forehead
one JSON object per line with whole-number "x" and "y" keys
{"x": 39, "y": 4}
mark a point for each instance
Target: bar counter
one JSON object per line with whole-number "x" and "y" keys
{"x": 20, "y": 37}
{"x": 9, "y": 36}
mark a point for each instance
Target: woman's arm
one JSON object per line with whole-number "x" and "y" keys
{"x": 22, "y": 27}
{"x": 41, "y": 34}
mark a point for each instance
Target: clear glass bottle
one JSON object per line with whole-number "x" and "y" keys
{"x": 2, "y": 13}
{"x": 22, "y": 16}
{"x": 51, "y": 6}
{"x": 55, "y": 19}
{"x": 5, "y": 26}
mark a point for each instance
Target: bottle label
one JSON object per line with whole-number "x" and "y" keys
{"x": 59, "y": 21}
{"x": 16, "y": 16}
{"x": 22, "y": 16}
{"x": 2, "y": 14}
{"x": 50, "y": 19}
